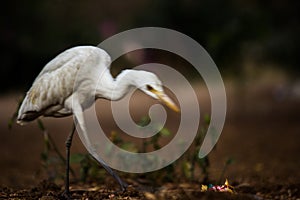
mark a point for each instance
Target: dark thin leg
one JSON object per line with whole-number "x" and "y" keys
{"x": 66, "y": 193}
{"x": 123, "y": 185}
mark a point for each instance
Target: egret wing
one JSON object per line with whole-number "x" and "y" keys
{"x": 64, "y": 57}
{"x": 56, "y": 82}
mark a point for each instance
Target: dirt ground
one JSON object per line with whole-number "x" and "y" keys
{"x": 261, "y": 134}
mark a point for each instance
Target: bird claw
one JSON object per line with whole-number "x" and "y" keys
{"x": 66, "y": 195}
{"x": 124, "y": 187}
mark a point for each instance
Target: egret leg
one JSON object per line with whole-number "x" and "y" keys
{"x": 66, "y": 193}
{"x": 78, "y": 112}
{"x": 122, "y": 184}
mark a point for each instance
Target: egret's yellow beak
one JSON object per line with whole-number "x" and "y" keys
{"x": 166, "y": 100}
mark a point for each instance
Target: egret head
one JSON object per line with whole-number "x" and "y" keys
{"x": 150, "y": 84}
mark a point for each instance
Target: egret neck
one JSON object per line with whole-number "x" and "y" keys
{"x": 116, "y": 88}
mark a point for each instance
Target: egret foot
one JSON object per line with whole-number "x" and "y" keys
{"x": 66, "y": 194}
{"x": 123, "y": 186}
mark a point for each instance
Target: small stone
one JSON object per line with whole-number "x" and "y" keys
{"x": 47, "y": 198}
{"x": 149, "y": 196}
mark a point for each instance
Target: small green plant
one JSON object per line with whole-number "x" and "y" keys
{"x": 190, "y": 161}
{"x": 228, "y": 162}
{"x": 153, "y": 142}
{"x": 89, "y": 167}
{"x": 14, "y": 116}
{"x": 53, "y": 162}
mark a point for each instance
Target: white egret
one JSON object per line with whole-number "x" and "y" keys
{"x": 53, "y": 93}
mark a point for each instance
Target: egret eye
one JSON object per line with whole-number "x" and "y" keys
{"x": 149, "y": 87}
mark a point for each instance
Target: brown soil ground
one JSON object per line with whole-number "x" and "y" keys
{"x": 261, "y": 134}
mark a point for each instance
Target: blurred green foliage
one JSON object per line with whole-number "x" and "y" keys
{"x": 189, "y": 167}
{"x": 33, "y": 32}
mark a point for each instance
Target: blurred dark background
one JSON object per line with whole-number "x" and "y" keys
{"x": 255, "y": 45}
{"x": 233, "y": 32}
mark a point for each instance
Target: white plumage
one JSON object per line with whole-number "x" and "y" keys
{"x": 53, "y": 88}
{"x": 54, "y": 85}
{"x": 71, "y": 82}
